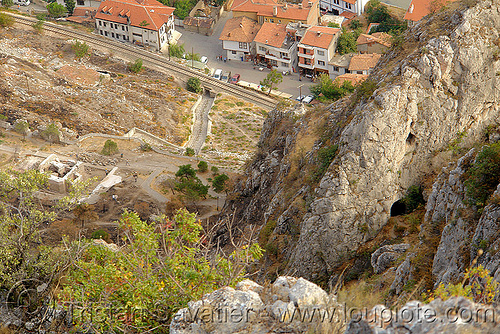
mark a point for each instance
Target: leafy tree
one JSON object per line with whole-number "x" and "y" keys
{"x": 183, "y": 7}
{"x": 347, "y": 41}
{"x": 194, "y": 85}
{"x": 185, "y": 171}
{"x": 194, "y": 56}
{"x": 110, "y": 148}
{"x": 136, "y": 66}
{"x": 190, "y": 152}
{"x": 84, "y": 213}
{"x": 81, "y": 49}
{"x": 23, "y": 257}
{"x": 273, "y": 79}
{"x": 355, "y": 24}
{"x": 331, "y": 90}
{"x": 51, "y": 133}
{"x": 7, "y": 3}
{"x": 218, "y": 182}
{"x": 333, "y": 25}
{"x": 6, "y": 20}
{"x": 22, "y": 127}
{"x": 176, "y": 50}
{"x": 376, "y": 12}
{"x": 160, "y": 268}
{"x": 70, "y": 6}
{"x": 214, "y": 170}
{"x": 56, "y": 10}
{"x": 202, "y": 166}
{"x": 188, "y": 184}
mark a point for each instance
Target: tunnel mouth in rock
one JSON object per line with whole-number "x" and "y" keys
{"x": 398, "y": 208}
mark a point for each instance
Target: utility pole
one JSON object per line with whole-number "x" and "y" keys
{"x": 300, "y": 92}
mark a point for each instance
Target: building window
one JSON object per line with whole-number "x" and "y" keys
{"x": 101, "y": 32}
{"x": 123, "y": 28}
{"x": 117, "y": 36}
{"x": 321, "y": 53}
{"x": 359, "y": 72}
{"x": 105, "y": 33}
{"x": 242, "y": 45}
{"x": 274, "y": 62}
{"x": 113, "y": 34}
{"x": 80, "y": 3}
{"x": 233, "y": 52}
{"x": 284, "y": 64}
{"x": 336, "y": 2}
{"x": 336, "y": 69}
{"x": 261, "y": 48}
{"x": 100, "y": 23}
{"x": 321, "y": 63}
{"x": 265, "y": 19}
{"x": 272, "y": 20}
{"x": 116, "y": 26}
{"x": 104, "y": 23}
{"x": 347, "y": 5}
{"x": 279, "y": 21}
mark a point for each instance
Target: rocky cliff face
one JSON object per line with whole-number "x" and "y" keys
{"x": 438, "y": 91}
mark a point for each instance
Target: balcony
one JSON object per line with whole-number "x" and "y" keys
{"x": 306, "y": 55}
{"x": 309, "y": 66}
{"x": 270, "y": 56}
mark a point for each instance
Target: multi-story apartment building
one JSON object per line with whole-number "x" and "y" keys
{"x": 316, "y": 49}
{"x": 272, "y": 11}
{"x": 276, "y": 47}
{"x": 337, "y": 7}
{"x": 143, "y": 22}
{"x": 238, "y": 38}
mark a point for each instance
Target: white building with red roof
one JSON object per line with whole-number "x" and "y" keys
{"x": 276, "y": 46}
{"x": 144, "y": 22}
{"x": 338, "y": 7}
{"x": 316, "y": 49}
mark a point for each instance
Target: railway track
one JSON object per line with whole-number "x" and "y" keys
{"x": 154, "y": 60}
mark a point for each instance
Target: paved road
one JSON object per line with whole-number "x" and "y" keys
{"x": 211, "y": 47}
{"x": 146, "y": 185}
{"x": 200, "y": 126}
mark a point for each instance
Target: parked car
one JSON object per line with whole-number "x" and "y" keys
{"x": 204, "y": 59}
{"x": 21, "y": 2}
{"x": 308, "y": 99}
{"x": 235, "y": 78}
{"x": 225, "y": 76}
{"x": 217, "y": 74}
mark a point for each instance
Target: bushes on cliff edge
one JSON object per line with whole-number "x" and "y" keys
{"x": 484, "y": 175}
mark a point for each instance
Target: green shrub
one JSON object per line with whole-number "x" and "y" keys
{"x": 38, "y": 26}
{"x": 160, "y": 268}
{"x": 56, "y": 10}
{"x": 219, "y": 183}
{"x": 214, "y": 170}
{"x": 331, "y": 90}
{"x": 190, "y": 152}
{"x": 7, "y": 3}
{"x": 413, "y": 198}
{"x": 194, "y": 85}
{"x": 364, "y": 90}
{"x": 51, "y": 133}
{"x": 484, "y": 176}
{"x": 110, "y": 148}
{"x": 6, "y": 20}
{"x": 100, "y": 234}
{"x": 136, "y": 66}
{"x": 202, "y": 166}
{"x": 81, "y": 49}
{"x": 325, "y": 157}
{"x": 176, "y": 50}
{"x": 145, "y": 147}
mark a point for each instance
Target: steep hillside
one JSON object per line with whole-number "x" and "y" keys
{"x": 324, "y": 184}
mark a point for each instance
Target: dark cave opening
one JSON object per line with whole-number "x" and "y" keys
{"x": 398, "y": 209}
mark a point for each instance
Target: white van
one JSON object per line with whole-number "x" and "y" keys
{"x": 22, "y": 2}
{"x": 217, "y": 74}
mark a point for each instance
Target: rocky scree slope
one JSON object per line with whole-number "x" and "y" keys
{"x": 438, "y": 90}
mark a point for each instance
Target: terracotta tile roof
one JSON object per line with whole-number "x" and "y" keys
{"x": 319, "y": 36}
{"x": 348, "y": 15}
{"x": 364, "y": 62}
{"x": 240, "y": 29}
{"x": 419, "y": 8}
{"x": 378, "y": 37}
{"x": 151, "y": 11}
{"x": 353, "y": 78}
{"x": 266, "y": 8}
{"x": 272, "y": 34}
{"x": 84, "y": 11}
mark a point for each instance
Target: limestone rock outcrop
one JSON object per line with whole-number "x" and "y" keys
{"x": 439, "y": 91}
{"x": 288, "y": 305}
